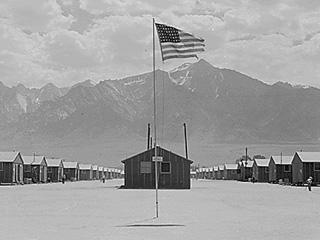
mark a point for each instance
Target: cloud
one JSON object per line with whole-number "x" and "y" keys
{"x": 125, "y": 43}
{"x": 246, "y": 37}
{"x": 69, "y": 49}
{"x": 68, "y": 41}
{"x": 36, "y": 15}
{"x": 116, "y": 7}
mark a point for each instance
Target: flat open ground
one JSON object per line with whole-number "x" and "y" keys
{"x": 210, "y": 210}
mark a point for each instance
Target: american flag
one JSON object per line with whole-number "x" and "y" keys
{"x": 176, "y": 43}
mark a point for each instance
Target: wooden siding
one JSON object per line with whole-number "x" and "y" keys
{"x": 71, "y": 174}
{"x": 231, "y": 174}
{"x": 297, "y": 175}
{"x": 178, "y": 178}
{"x": 279, "y": 171}
{"x": 272, "y": 171}
{"x": 6, "y": 173}
{"x": 216, "y": 175}
{"x": 85, "y": 174}
{"x": 37, "y": 173}
{"x": 55, "y": 174}
{"x": 94, "y": 174}
{"x": 11, "y": 173}
{"x": 301, "y": 171}
{"x": 245, "y": 173}
{"x": 260, "y": 174}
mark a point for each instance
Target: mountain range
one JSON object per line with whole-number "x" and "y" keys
{"x": 218, "y": 105}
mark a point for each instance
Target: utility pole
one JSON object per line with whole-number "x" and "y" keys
{"x": 185, "y": 139}
{"x": 246, "y": 163}
{"x": 155, "y": 120}
{"x": 148, "y": 136}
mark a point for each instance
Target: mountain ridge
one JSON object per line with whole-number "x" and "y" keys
{"x": 218, "y": 105}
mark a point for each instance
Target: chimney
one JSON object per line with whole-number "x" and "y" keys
{"x": 185, "y": 139}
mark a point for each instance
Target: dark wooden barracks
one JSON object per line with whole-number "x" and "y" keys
{"x": 174, "y": 170}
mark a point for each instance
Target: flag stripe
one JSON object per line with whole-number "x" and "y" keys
{"x": 183, "y": 51}
{"x": 188, "y": 35}
{"x": 182, "y": 54}
{"x": 179, "y": 56}
{"x": 176, "y": 45}
{"x": 191, "y": 40}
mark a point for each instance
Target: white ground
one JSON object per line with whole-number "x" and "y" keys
{"x": 210, "y": 210}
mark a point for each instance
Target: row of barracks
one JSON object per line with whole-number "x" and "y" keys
{"x": 16, "y": 168}
{"x": 293, "y": 170}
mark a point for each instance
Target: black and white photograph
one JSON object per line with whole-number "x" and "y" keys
{"x": 159, "y": 119}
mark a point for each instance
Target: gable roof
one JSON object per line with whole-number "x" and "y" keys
{"x": 284, "y": 160}
{"x": 38, "y": 160}
{"x": 262, "y": 162}
{"x": 33, "y": 160}
{"x": 73, "y": 165}
{"x": 221, "y": 167}
{"x": 8, "y": 156}
{"x": 215, "y": 168}
{"x": 85, "y": 166}
{"x": 27, "y": 160}
{"x": 94, "y": 167}
{"x": 54, "y": 162}
{"x": 231, "y": 166}
{"x": 248, "y": 165}
{"x": 309, "y": 156}
{"x": 100, "y": 169}
{"x": 159, "y": 150}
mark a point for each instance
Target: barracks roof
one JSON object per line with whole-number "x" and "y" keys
{"x": 282, "y": 160}
{"x": 262, "y": 162}
{"x": 309, "y": 156}
{"x": 73, "y": 165}
{"x": 8, "y": 156}
{"x": 248, "y": 165}
{"x": 230, "y": 166}
{"x": 34, "y": 160}
{"x": 54, "y": 162}
{"x": 85, "y": 166}
{"x": 159, "y": 149}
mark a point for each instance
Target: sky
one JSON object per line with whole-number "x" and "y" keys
{"x": 69, "y": 41}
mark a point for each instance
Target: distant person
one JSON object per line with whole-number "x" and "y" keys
{"x": 103, "y": 179}
{"x": 253, "y": 179}
{"x": 309, "y": 182}
{"x": 63, "y": 178}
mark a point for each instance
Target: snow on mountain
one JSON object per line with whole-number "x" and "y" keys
{"x": 22, "y": 101}
{"x": 217, "y": 104}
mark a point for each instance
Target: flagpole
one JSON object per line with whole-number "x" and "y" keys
{"x": 155, "y": 119}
